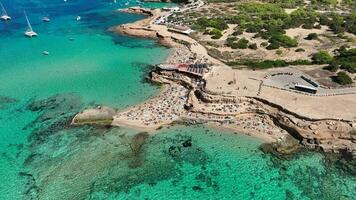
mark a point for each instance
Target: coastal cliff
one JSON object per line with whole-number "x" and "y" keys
{"x": 184, "y": 99}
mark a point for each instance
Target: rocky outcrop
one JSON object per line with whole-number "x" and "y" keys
{"x": 99, "y": 116}
{"x": 137, "y": 10}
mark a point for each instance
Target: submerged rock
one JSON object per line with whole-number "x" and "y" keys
{"x": 344, "y": 162}
{"x": 137, "y": 141}
{"x": 136, "y": 147}
{"x": 5, "y": 101}
{"x": 187, "y": 143}
{"x": 194, "y": 156}
{"x": 55, "y": 115}
{"x": 174, "y": 151}
{"x": 285, "y": 148}
{"x": 197, "y": 188}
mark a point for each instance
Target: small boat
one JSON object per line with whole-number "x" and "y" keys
{"x": 4, "y": 16}
{"x": 46, "y": 53}
{"x": 29, "y": 32}
{"x": 46, "y": 19}
{"x": 78, "y": 18}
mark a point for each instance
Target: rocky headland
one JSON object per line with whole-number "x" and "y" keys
{"x": 233, "y": 99}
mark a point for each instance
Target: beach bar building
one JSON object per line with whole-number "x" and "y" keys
{"x": 174, "y": 9}
{"x": 181, "y": 29}
{"x": 196, "y": 69}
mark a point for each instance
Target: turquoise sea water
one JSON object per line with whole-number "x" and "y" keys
{"x": 42, "y": 157}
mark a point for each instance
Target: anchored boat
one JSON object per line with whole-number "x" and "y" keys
{"x": 29, "y": 32}
{"x": 4, "y": 16}
{"x": 46, "y": 19}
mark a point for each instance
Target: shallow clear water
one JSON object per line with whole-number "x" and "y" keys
{"x": 41, "y": 157}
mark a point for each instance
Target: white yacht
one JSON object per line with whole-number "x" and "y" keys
{"x": 78, "y": 18}
{"x": 46, "y": 19}
{"x": 29, "y": 32}
{"x": 4, "y": 16}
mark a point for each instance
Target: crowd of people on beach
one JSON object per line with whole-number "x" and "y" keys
{"x": 171, "y": 105}
{"x": 166, "y": 107}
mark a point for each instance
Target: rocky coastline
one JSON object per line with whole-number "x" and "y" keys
{"x": 185, "y": 99}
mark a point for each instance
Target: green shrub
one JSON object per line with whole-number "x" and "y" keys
{"x": 216, "y": 33}
{"x": 300, "y": 50}
{"x": 343, "y": 79}
{"x": 303, "y": 16}
{"x": 317, "y": 26}
{"x": 252, "y": 46}
{"x": 272, "y": 46}
{"x": 215, "y": 53}
{"x": 346, "y": 58}
{"x": 230, "y": 40}
{"x": 333, "y": 67}
{"x": 350, "y": 67}
{"x": 279, "y": 52}
{"x": 337, "y": 24}
{"x": 264, "y": 44}
{"x": 237, "y": 31}
{"x": 312, "y": 36}
{"x": 283, "y": 41}
{"x": 324, "y": 2}
{"x": 253, "y": 28}
{"x": 257, "y": 64}
{"x": 242, "y": 43}
{"x": 255, "y": 17}
{"x": 308, "y": 26}
{"x": 286, "y": 3}
{"x": 300, "y": 62}
{"x": 344, "y": 53}
{"x": 203, "y": 23}
{"x": 322, "y": 57}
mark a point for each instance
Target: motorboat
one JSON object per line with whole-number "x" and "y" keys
{"x": 46, "y": 19}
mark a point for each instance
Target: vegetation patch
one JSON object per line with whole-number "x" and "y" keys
{"x": 203, "y": 23}
{"x": 342, "y": 78}
{"x": 236, "y": 43}
{"x": 265, "y": 64}
{"x": 322, "y": 57}
{"x": 312, "y": 36}
{"x": 215, "y": 34}
{"x": 279, "y": 40}
{"x": 346, "y": 58}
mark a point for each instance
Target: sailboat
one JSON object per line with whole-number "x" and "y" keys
{"x": 4, "y": 16}
{"x": 29, "y": 32}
